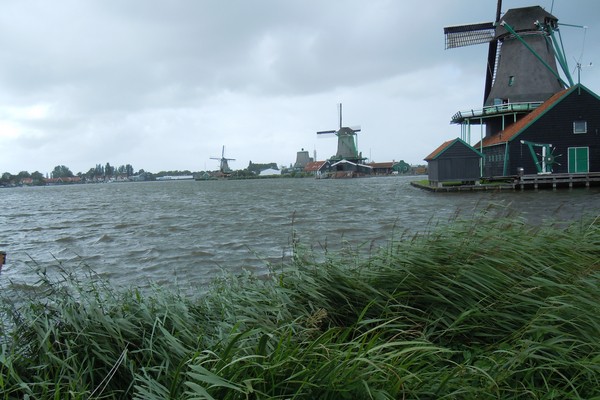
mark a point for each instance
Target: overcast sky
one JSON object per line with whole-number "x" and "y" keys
{"x": 163, "y": 85}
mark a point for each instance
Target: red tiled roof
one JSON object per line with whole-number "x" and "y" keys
{"x": 64, "y": 179}
{"x": 513, "y": 130}
{"x": 437, "y": 151}
{"x": 313, "y": 166}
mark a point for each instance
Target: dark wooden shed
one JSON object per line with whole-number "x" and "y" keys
{"x": 454, "y": 160}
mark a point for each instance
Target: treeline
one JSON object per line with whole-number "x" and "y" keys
{"x": 8, "y": 179}
{"x": 62, "y": 171}
{"x": 108, "y": 171}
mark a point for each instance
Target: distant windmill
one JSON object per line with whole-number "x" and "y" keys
{"x": 223, "y": 165}
{"x": 522, "y": 56}
{"x": 347, "y": 148}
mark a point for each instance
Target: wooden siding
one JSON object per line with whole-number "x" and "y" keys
{"x": 456, "y": 169}
{"x": 493, "y": 164}
{"x": 456, "y": 162}
{"x": 556, "y": 127}
{"x": 551, "y": 123}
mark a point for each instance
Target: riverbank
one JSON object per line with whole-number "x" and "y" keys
{"x": 468, "y": 309}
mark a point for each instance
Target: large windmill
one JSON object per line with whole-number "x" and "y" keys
{"x": 524, "y": 48}
{"x": 347, "y": 148}
{"x": 223, "y": 165}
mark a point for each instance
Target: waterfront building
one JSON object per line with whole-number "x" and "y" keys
{"x": 534, "y": 120}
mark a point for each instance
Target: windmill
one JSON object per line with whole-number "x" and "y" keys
{"x": 223, "y": 166}
{"x": 347, "y": 148}
{"x": 522, "y": 55}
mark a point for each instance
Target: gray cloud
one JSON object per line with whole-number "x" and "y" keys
{"x": 113, "y": 81}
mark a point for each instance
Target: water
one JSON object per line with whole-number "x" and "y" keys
{"x": 185, "y": 233}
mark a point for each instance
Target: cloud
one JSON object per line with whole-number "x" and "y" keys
{"x": 164, "y": 85}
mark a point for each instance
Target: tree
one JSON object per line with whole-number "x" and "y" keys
{"x": 38, "y": 178}
{"x": 7, "y": 178}
{"x": 109, "y": 170}
{"x": 61, "y": 171}
{"x": 99, "y": 170}
{"x": 90, "y": 174}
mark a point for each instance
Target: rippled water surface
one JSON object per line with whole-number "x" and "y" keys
{"x": 188, "y": 231}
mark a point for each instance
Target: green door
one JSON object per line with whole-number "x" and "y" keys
{"x": 578, "y": 159}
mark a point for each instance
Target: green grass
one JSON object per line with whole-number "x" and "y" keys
{"x": 483, "y": 308}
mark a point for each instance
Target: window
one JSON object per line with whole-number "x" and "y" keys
{"x": 579, "y": 126}
{"x": 511, "y": 80}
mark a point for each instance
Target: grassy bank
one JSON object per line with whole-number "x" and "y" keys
{"x": 485, "y": 308}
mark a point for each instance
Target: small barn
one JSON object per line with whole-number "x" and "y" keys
{"x": 454, "y": 160}
{"x": 343, "y": 169}
{"x": 382, "y": 168}
{"x": 562, "y": 135}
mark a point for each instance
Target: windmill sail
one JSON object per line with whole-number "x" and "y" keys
{"x": 493, "y": 56}
{"x": 467, "y": 35}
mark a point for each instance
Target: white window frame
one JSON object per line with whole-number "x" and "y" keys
{"x": 579, "y": 127}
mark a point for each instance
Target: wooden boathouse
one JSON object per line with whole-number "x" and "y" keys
{"x": 454, "y": 160}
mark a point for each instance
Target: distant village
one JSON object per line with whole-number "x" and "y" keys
{"x": 304, "y": 166}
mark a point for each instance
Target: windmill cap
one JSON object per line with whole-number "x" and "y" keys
{"x": 524, "y": 19}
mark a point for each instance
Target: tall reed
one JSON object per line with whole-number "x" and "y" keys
{"x": 482, "y": 307}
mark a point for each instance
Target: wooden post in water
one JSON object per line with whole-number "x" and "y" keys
{"x": 2, "y": 259}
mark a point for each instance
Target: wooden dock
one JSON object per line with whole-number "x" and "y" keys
{"x": 554, "y": 181}
{"x": 525, "y": 182}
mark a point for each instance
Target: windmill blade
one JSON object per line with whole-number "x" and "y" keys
{"x": 490, "y": 70}
{"x": 493, "y": 55}
{"x": 355, "y": 128}
{"x": 467, "y": 35}
{"x": 326, "y": 132}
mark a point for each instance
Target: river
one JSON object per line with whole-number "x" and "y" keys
{"x": 184, "y": 233}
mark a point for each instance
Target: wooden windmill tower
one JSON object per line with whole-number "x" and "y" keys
{"x": 524, "y": 50}
{"x": 346, "y": 148}
{"x": 223, "y": 162}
